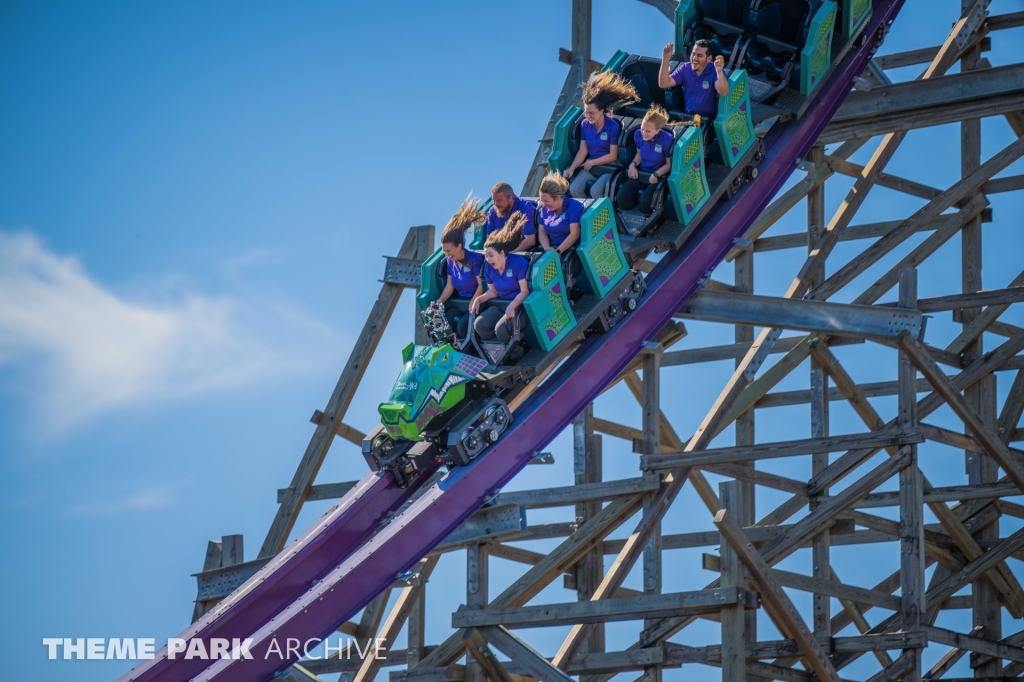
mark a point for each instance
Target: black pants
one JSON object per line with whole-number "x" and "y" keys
{"x": 631, "y": 189}
{"x": 458, "y": 320}
{"x": 492, "y": 322}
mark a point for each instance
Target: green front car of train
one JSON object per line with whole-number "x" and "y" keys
{"x": 432, "y": 382}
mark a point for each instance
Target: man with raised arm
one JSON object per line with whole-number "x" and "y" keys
{"x": 701, "y": 80}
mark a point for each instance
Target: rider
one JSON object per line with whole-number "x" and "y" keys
{"x": 701, "y": 85}
{"x": 599, "y": 133}
{"x": 652, "y": 162}
{"x": 559, "y": 228}
{"x": 464, "y": 266}
{"x": 506, "y": 279}
{"x": 505, "y": 203}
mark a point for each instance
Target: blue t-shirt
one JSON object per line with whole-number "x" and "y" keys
{"x": 599, "y": 141}
{"x": 495, "y": 222}
{"x": 653, "y": 154}
{"x": 464, "y": 276}
{"x": 698, "y": 91}
{"x": 506, "y": 283}
{"x": 557, "y": 224}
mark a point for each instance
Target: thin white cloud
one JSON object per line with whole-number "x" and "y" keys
{"x": 140, "y": 500}
{"x": 89, "y": 350}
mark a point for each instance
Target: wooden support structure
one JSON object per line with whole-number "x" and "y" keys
{"x": 849, "y": 391}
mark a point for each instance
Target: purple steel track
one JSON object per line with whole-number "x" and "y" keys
{"x": 358, "y": 579}
{"x": 319, "y": 549}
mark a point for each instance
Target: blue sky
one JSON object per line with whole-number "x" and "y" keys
{"x": 194, "y": 201}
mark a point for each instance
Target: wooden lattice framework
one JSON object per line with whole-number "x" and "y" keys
{"x": 834, "y": 506}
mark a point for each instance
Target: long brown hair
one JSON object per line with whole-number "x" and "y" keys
{"x": 509, "y": 237}
{"x": 607, "y": 88}
{"x": 468, "y": 215}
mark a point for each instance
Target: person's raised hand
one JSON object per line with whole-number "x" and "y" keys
{"x": 666, "y": 52}
{"x": 719, "y": 62}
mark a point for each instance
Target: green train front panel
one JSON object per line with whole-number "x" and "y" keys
{"x": 688, "y": 182}
{"x": 686, "y": 14}
{"x": 432, "y": 381}
{"x": 816, "y": 56}
{"x": 480, "y": 231}
{"x": 547, "y": 306}
{"x": 855, "y": 13}
{"x": 429, "y": 289}
{"x": 734, "y": 126}
{"x": 599, "y": 249}
{"x": 561, "y": 156}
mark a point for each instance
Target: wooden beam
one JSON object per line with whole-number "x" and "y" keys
{"x": 922, "y": 251}
{"x": 606, "y": 610}
{"x": 797, "y": 240}
{"x": 775, "y": 600}
{"x": 932, "y": 209}
{"x": 988, "y": 439}
{"x": 974, "y": 643}
{"x": 791, "y": 448}
{"x": 577, "y": 494}
{"x": 536, "y": 665}
{"x": 917, "y": 104}
{"x": 781, "y": 205}
{"x": 982, "y": 321}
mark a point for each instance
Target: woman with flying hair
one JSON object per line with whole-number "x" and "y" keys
{"x": 653, "y": 161}
{"x": 464, "y": 267}
{"x": 505, "y": 273}
{"x": 599, "y": 133}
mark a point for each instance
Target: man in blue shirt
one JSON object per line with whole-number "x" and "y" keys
{"x": 701, "y": 81}
{"x": 505, "y": 203}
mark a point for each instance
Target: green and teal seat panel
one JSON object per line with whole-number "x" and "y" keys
{"x": 561, "y": 153}
{"x": 688, "y": 181}
{"x": 604, "y": 265}
{"x": 733, "y": 124}
{"x": 686, "y": 14}
{"x": 816, "y": 56}
{"x": 855, "y": 13}
{"x": 430, "y": 290}
{"x": 547, "y": 306}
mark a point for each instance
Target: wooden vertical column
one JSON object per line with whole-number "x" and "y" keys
{"x": 819, "y": 408}
{"x": 734, "y": 645}
{"x": 743, "y": 281}
{"x": 651, "y": 445}
{"x": 980, "y": 468}
{"x": 587, "y": 455}
{"x": 476, "y": 597}
{"x": 912, "y": 601}
{"x": 415, "y": 627}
